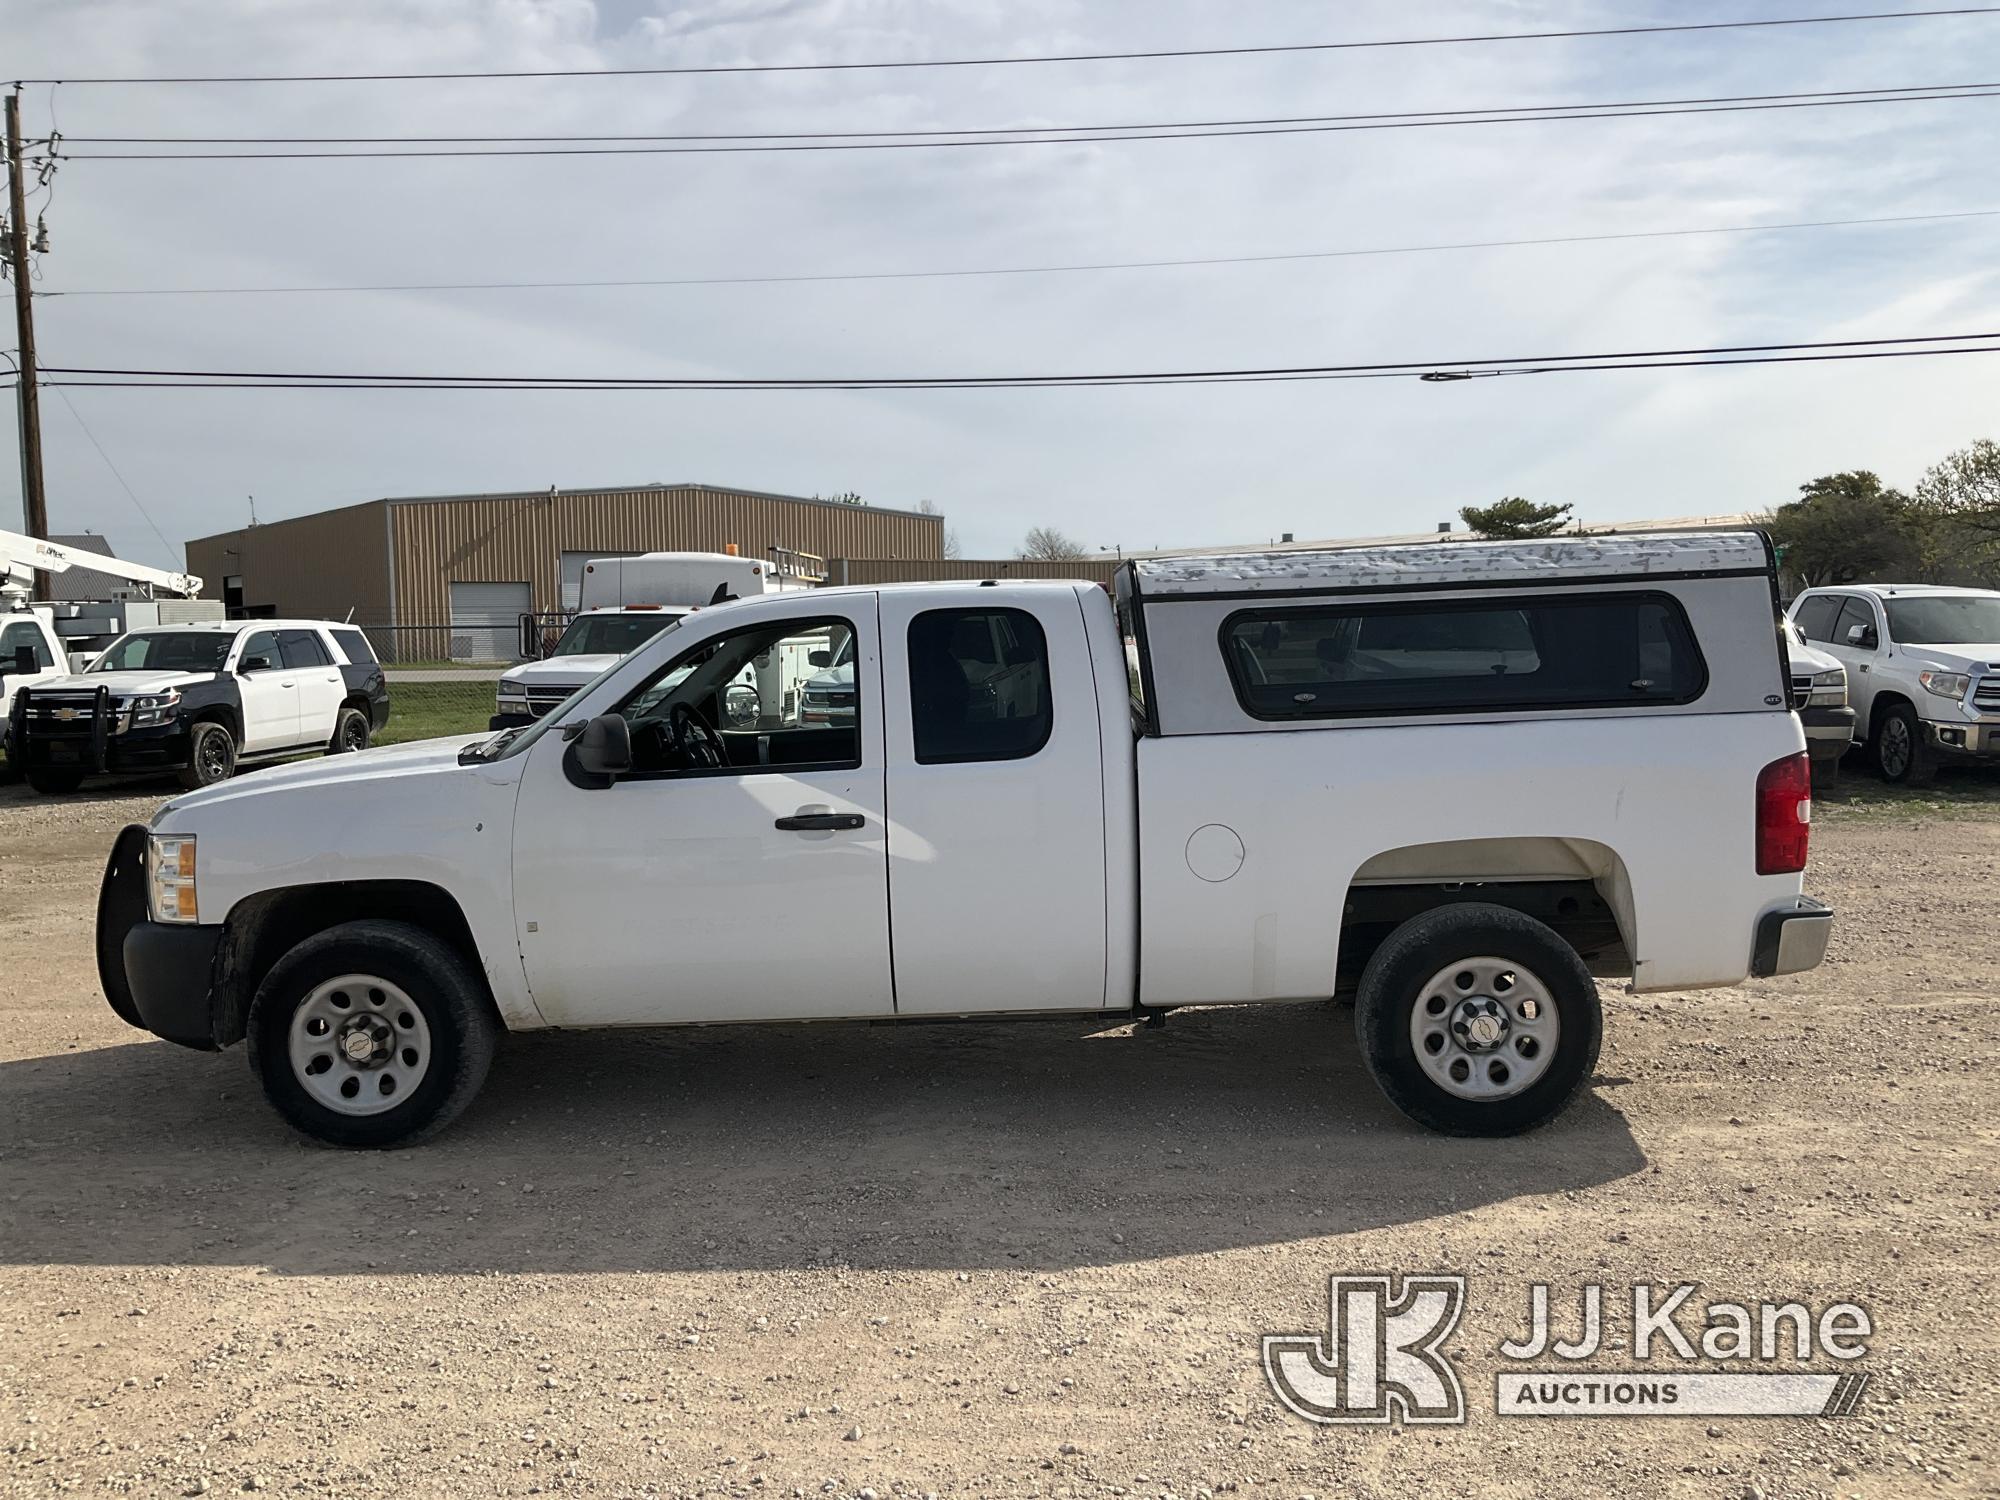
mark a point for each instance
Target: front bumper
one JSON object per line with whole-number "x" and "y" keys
{"x": 1792, "y": 938}
{"x": 156, "y": 975}
{"x": 1977, "y": 740}
{"x": 1829, "y": 731}
{"x": 161, "y": 747}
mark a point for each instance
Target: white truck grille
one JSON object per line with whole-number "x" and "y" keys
{"x": 1801, "y": 689}
{"x": 1986, "y": 691}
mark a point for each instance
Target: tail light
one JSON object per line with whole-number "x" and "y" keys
{"x": 1784, "y": 815}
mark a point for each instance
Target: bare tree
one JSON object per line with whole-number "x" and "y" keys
{"x": 1046, "y": 544}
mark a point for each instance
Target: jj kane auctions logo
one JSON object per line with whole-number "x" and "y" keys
{"x": 1382, "y": 1356}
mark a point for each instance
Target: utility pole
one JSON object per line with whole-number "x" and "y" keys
{"x": 34, "y": 502}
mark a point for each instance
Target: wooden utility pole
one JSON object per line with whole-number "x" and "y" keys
{"x": 34, "y": 502}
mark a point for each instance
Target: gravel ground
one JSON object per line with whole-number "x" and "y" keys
{"x": 987, "y": 1260}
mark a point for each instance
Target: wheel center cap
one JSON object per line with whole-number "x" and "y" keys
{"x": 358, "y": 1045}
{"x": 1484, "y": 1030}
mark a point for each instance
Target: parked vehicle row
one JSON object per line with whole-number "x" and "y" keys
{"x": 1923, "y": 670}
{"x": 1453, "y": 781}
{"x": 200, "y": 700}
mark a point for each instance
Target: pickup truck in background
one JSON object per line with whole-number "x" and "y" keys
{"x": 1923, "y": 670}
{"x": 591, "y": 642}
{"x": 1452, "y": 780}
{"x": 1819, "y": 696}
{"x": 30, "y": 653}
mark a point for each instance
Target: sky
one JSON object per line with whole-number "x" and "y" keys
{"x": 1131, "y": 468}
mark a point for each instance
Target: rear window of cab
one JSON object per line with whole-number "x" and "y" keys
{"x": 1462, "y": 656}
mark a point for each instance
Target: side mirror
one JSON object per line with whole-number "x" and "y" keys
{"x": 605, "y": 746}
{"x": 819, "y": 658}
{"x": 251, "y": 664}
{"x": 1862, "y": 636}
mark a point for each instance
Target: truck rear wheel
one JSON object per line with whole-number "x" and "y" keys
{"x": 371, "y": 1034}
{"x": 1477, "y": 1020}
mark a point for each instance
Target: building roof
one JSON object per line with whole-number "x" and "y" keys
{"x": 78, "y": 584}
{"x": 560, "y": 491}
{"x": 1553, "y": 559}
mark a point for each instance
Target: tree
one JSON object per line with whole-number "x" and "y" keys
{"x": 947, "y": 535}
{"x": 1847, "y": 528}
{"x": 1046, "y": 544}
{"x": 1515, "y": 519}
{"x": 1958, "y": 505}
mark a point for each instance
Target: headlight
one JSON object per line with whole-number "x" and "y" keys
{"x": 1837, "y": 677}
{"x": 512, "y": 688}
{"x": 151, "y": 710}
{"x": 170, "y": 887}
{"x": 1945, "y": 684}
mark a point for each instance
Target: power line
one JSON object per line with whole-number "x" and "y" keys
{"x": 1120, "y": 265}
{"x": 1025, "y": 138}
{"x": 130, "y": 494}
{"x": 1922, "y": 89}
{"x": 1157, "y": 54}
{"x": 1446, "y": 369}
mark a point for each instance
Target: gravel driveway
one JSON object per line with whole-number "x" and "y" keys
{"x": 992, "y": 1259}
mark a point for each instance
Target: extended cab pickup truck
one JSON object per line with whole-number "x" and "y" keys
{"x": 1447, "y": 779}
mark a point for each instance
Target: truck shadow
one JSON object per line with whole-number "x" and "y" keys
{"x": 1049, "y": 1145}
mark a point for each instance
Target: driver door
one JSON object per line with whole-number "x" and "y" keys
{"x": 755, "y": 888}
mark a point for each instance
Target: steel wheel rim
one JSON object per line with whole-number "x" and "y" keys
{"x": 213, "y": 759}
{"x": 1485, "y": 1028}
{"x": 359, "y": 1045}
{"x": 1895, "y": 746}
{"x": 354, "y": 735}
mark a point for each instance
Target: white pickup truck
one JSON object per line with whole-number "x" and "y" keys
{"x": 1450, "y": 779}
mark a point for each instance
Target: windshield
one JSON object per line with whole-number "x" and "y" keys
{"x": 1946, "y": 620}
{"x": 164, "y": 650}
{"x": 611, "y": 635}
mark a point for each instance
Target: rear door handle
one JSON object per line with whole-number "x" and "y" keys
{"x": 817, "y": 822}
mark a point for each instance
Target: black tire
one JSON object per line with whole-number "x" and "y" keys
{"x": 1394, "y": 984}
{"x": 1899, "y": 749}
{"x": 53, "y": 782}
{"x": 462, "y": 1027}
{"x": 211, "y": 755}
{"x": 350, "y": 732}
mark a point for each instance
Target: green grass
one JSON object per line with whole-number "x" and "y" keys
{"x": 429, "y": 710}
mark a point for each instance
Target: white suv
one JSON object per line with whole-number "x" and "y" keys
{"x": 1923, "y": 669}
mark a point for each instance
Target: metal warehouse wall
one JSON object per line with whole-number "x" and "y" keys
{"x": 318, "y": 566}
{"x": 519, "y": 538}
{"x": 941, "y": 570}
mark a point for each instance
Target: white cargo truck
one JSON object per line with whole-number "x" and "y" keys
{"x": 1454, "y": 781}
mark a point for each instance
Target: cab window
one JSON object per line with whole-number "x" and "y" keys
{"x": 263, "y": 643}
{"x": 22, "y": 633}
{"x": 1855, "y": 612}
{"x": 302, "y": 648}
{"x": 1815, "y": 616}
{"x": 782, "y": 693}
{"x": 979, "y": 685}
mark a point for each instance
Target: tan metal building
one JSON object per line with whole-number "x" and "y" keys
{"x": 459, "y": 564}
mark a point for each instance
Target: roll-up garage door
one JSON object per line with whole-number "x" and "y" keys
{"x": 486, "y": 620}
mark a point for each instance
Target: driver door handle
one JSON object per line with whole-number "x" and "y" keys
{"x": 818, "y": 822}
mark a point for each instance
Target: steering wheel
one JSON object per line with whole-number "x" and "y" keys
{"x": 700, "y": 746}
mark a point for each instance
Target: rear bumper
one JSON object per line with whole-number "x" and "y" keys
{"x": 1791, "y": 939}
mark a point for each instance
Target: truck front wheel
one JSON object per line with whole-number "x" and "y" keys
{"x": 371, "y": 1034}
{"x": 1477, "y": 1020}
{"x": 211, "y": 755}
